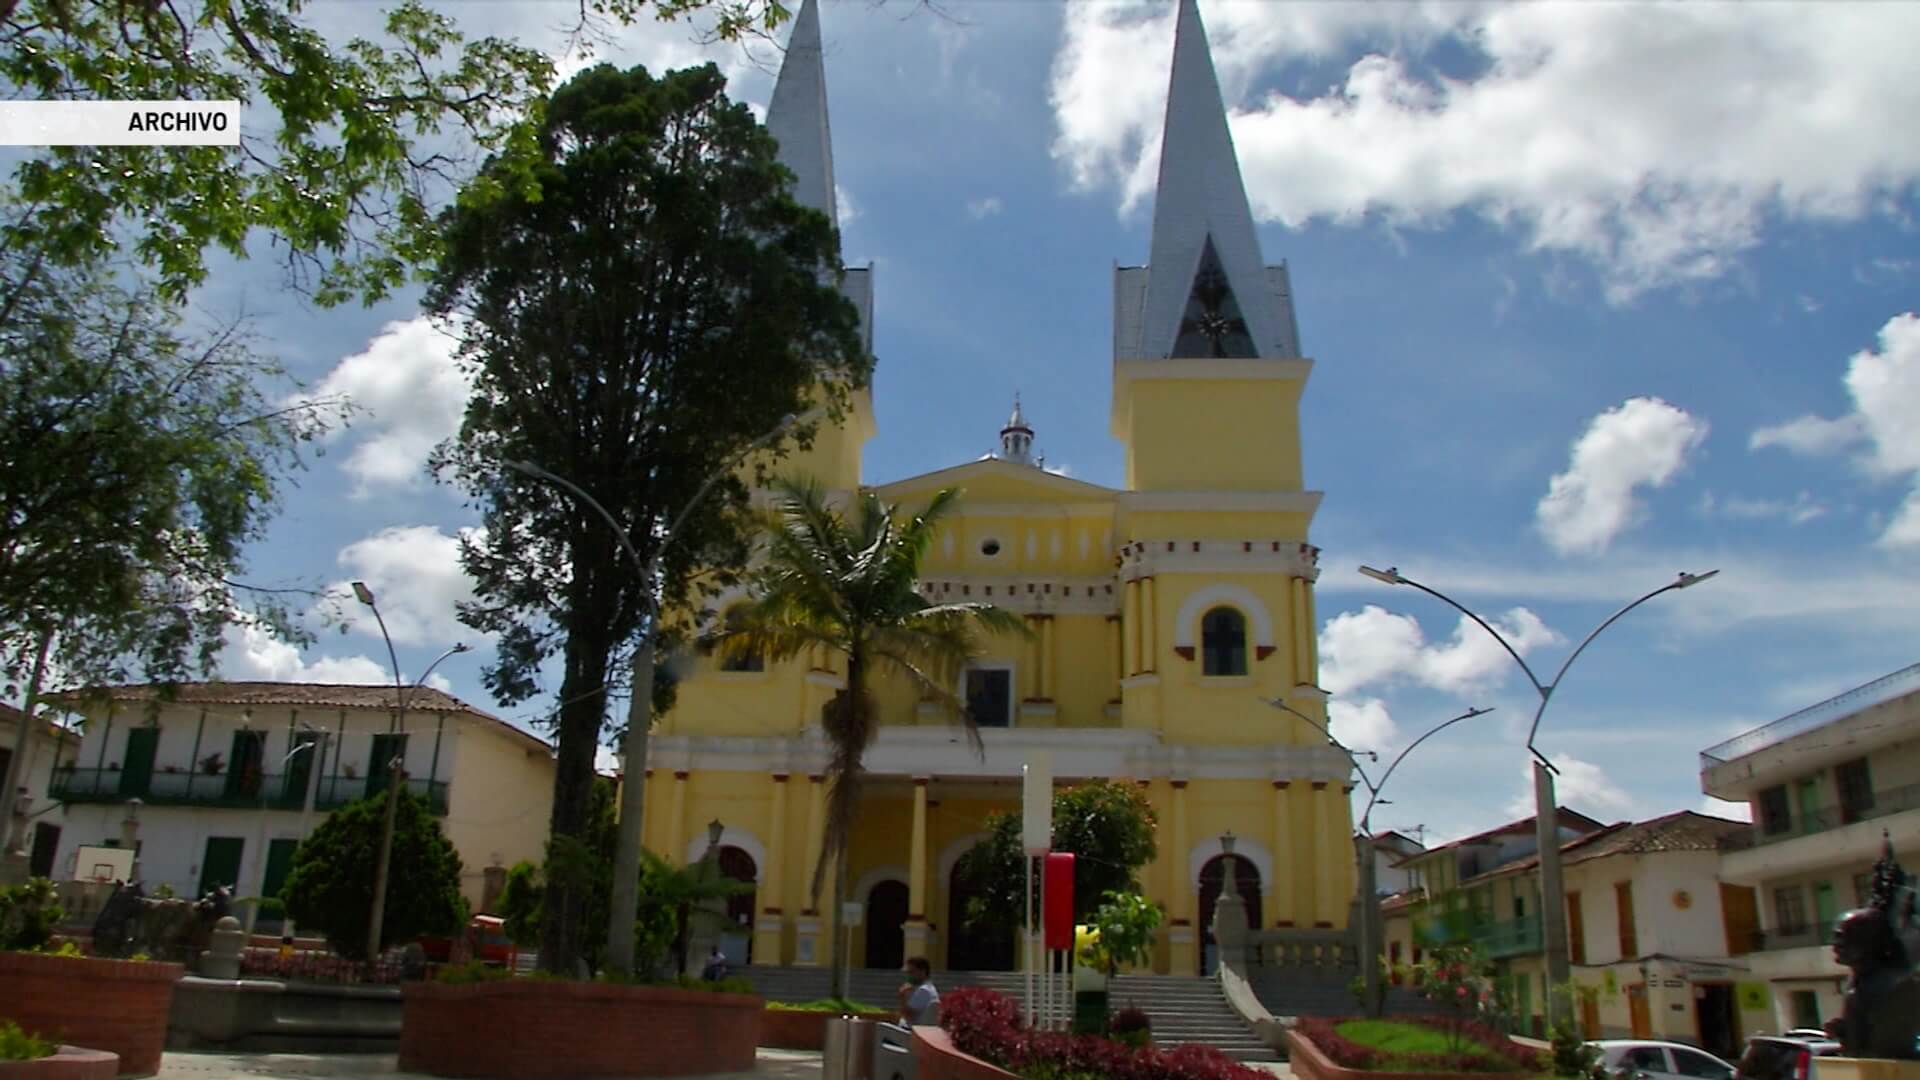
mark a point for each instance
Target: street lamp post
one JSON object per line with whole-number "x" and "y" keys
{"x": 396, "y": 774}
{"x": 625, "y": 900}
{"x": 1553, "y": 916}
{"x": 260, "y": 848}
{"x": 1370, "y": 930}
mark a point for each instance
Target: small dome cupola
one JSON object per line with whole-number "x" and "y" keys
{"x": 1016, "y": 439}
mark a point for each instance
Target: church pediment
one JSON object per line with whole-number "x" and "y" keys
{"x": 991, "y": 481}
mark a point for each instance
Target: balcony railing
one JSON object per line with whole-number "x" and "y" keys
{"x": 1883, "y": 689}
{"x": 1891, "y": 801}
{"x": 1514, "y": 937}
{"x": 1804, "y": 937}
{"x": 273, "y": 790}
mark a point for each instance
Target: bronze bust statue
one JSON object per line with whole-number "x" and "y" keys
{"x": 1881, "y": 1018}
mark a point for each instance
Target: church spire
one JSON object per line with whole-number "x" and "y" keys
{"x": 797, "y": 116}
{"x": 1207, "y": 292}
{"x": 1016, "y": 439}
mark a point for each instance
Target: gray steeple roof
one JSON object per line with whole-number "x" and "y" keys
{"x": 797, "y": 119}
{"x": 1201, "y": 221}
{"x": 797, "y": 116}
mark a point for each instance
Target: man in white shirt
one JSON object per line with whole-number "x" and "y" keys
{"x": 919, "y": 999}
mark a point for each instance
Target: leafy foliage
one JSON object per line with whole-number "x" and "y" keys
{"x": 1357, "y": 986}
{"x": 17, "y": 1044}
{"x": 988, "y": 1026}
{"x": 668, "y": 893}
{"x": 1573, "y": 1055}
{"x": 639, "y": 301}
{"x": 848, "y": 584}
{"x": 1109, "y": 827}
{"x": 330, "y": 886}
{"x": 836, "y": 1006}
{"x": 1125, "y": 926}
{"x": 29, "y": 914}
{"x": 344, "y": 148}
{"x": 1417, "y": 1044}
{"x": 1455, "y": 977}
{"x": 141, "y": 460}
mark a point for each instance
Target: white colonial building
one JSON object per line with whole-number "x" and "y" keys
{"x": 210, "y": 787}
{"x": 29, "y": 821}
{"x": 1828, "y": 786}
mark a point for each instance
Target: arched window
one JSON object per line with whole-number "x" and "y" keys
{"x": 732, "y": 661}
{"x": 1223, "y": 642}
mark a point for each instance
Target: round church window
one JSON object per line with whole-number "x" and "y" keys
{"x": 989, "y": 548}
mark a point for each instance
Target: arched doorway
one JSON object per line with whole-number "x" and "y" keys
{"x": 736, "y": 940}
{"x": 886, "y": 914}
{"x": 974, "y": 948}
{"x": 1212, "y": 877}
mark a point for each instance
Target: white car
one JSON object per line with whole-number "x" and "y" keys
{"x": 1661, "y": 1060}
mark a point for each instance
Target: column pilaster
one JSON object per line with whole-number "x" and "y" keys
{"x": 677, "y": 820}
{"x": 1130, "y": 630}
{"x": 1182, "y": 938}
{"x": 915, "y": 930}
{"x": 1046, "y": 657}
{"x": 808, "y": 949}
{"x": 769, "y": 928}
{"x": 1297, "y": 616}
{"x": 1287, "y": 871}
{"x": 1328, "y": 854}
{"x": 1116, "y": 654}
{"x": 1149, "y": 625}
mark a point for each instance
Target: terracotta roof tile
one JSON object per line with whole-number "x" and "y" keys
{"x": 1684, "y": 830}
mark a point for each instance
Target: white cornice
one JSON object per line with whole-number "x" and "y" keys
{"x": 1146, "y": 558}
{"x": 1222, "y": 502}
{"x": 1032, "y": 474}
{"x": 1094, "y": 511}
{"x": 1036, "y": 595}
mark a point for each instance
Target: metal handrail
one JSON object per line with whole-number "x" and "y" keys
{"x": 1826, "y": 819}
{"x": 1865, "y": 696}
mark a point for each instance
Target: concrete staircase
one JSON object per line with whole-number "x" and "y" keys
{"x": 1182, "y": 1008}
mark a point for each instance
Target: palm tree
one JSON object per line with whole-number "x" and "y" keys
{"x": 848, "y": 584}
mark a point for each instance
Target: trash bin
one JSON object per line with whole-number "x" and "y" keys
{"x": 892, "y": 1052}
{"x": 847, "y": 1050}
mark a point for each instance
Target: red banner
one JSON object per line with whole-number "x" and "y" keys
{"x": 1057, "y": 926}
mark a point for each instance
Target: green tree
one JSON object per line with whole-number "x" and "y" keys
{"x": 1107, "y": 825}
{"x": 141, "y": 460}
{"x": 330, "y": 887}
{"x": 657, "y": 307}
{"x": 1125, "y": 925}
{"x": 849, "y": 584}
{"x": 345, "y": 147}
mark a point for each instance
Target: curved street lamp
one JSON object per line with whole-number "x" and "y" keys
{"x": 396, "y": 770}
{"x": 626, "y": 866}
{"x": 1364, "y": 850}
{"x": 1553, "y": 915}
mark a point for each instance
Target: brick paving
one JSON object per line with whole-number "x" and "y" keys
{"x": 771, "y": 1065}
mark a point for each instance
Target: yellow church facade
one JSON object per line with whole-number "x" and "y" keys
{"x": 1163, "y": 616}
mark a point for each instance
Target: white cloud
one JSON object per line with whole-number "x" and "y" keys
{"x": 412, "y": 395}
{"x": 981, "y": 209}
{"x": 251, "y": 653}
{"x": 1721, "y": 808}
{"x": 1885, "y": 387}
{"x": 415, "y": 574}
{"x": 1373, "y": 646}
{"x": 1060, "y": 470}
{"x": 1643, "y": 443}
{"x": 1570, "y": 130}
{"x": 1579, "y": 785}
{"x": 1362, "y": 724}
{"x": 844, "y": 206}
{"x": 1798, "y": 510}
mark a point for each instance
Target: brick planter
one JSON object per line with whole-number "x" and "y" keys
{"x": 520, "y": 1028}
{"x": 797, "y": 1029}
{"x": 119, "y": 1006}
{"x": 66, "y": 1063}
{"x": 1309, "y": 1063}
{"x": 935, "y": 1058}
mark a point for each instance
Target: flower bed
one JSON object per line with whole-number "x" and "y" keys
{"x": 1327, "y": 1049}
{"x": 526, "y": 1028}
{"x": 804, "y": 1027}
{"x": 987, "y": 1025}
{"x": 124, "y": 1010}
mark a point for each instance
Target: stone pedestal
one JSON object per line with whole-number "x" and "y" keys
{"x": 916, "y": 935}
{"x": 1181, "y": 957}
{"x": 768, "y": 940}
{"x": 809, "y": 950}
{"x": 222, "y": 958}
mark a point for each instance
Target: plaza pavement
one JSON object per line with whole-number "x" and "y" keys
{"x": 771, "y": 1065}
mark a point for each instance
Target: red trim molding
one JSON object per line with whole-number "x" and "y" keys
{"x": 680, "y": 774}
{"x": 1282, "y": 785}
{"x": 1261, "y": 652}
{"x": 770, "y": 911}
{"x": 779, "y": 778}
{"x": 1178, "y": 784}
{"x": 1185, "y": 652}
{"x": 1319, "y": 785}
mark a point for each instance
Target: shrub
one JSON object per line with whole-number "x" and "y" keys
{"x": 28, "y": 915}
{"x": 988, "y": 1026}
{"x": 826, "y": 1005}
{"x": 19, "y": 1045}
{"x": 329, "y": 890}
{"x": 1472, "y": 1047}
{"x": 473, "y": 971}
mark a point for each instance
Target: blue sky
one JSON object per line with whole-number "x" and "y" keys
{"x": 1595, "y": 293}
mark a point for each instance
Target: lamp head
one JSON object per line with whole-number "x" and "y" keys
{"x": 1687, "y": 580}
{"x": 362, "y": 593}
{"x": 461, "y": 646}
{"x": 1226, "y": 842}
{"x": 714, "y": 831}
{"x": 1391, "y": 575}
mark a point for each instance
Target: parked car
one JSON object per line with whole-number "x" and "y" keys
{"x": 1785, "y": 1057}
{"x": 1657, "y": 1060}
{"x": 485, "y": 939}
